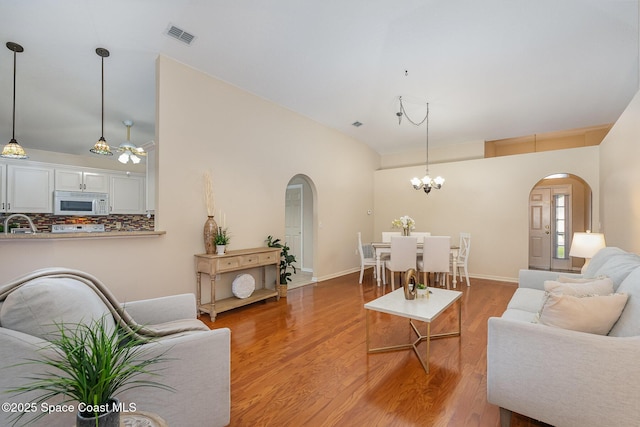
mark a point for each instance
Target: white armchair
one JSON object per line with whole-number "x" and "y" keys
{"x": 198, "y": 367}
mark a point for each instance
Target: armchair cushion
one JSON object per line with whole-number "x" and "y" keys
{"x": 628, "y": 325}
{"x": 593, "y": 314}
{"x": 38, "y": 307}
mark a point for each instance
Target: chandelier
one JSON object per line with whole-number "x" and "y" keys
{"x": 426, "y": 183}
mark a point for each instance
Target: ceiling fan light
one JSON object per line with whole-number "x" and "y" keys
{"x": 135, "y": 159}
{"x": 124, "y": 157}
{"x": 13, "y": 150}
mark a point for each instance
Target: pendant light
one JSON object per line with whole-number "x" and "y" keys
{"x": 13, "y": 150}
{"x": 129, "y": 151}
{"x": 101, "y": 147}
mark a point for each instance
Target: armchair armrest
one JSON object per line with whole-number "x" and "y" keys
{"x": 562, "y": 377}
{"x": 535, "y": 278}
{"x": 161, "y": 310}
{"x": 198, "y": 367}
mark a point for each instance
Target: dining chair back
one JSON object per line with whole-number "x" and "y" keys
{"x": 367, "y": 257}
{"x": 404, "y": 250}
{"x": 463, "y": 256}
{"x": 420, "y": 235}
{"x": 386, "y": 235}
{"x": 436, "y": 257}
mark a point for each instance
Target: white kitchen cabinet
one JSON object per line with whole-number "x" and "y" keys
{"x": 3, "y": 188}
{"x": 80, "y": 180}
{"x": 127, "y": 194}
{"x": 29, "y": 189}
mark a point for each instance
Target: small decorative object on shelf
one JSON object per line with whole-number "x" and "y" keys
{"x": 406, "y": 223}
{"x": 286, "y": 261}
{"x": 221, "y": 240}
{"x": 210, "y": 226}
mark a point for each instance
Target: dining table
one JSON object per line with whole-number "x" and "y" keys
{"x": 381, "y": 248}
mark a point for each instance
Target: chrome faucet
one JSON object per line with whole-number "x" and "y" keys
{"x": 6, "y": 222}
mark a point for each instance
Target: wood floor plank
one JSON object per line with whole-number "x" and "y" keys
{"x": 302, "y": 361}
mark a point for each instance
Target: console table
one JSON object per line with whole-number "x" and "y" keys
{"x": 237, "y": 260}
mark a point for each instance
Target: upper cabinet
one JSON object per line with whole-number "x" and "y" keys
{"x": 29, "y": 189}
{"x": 127, "y": 194}
{"x": 80, "y": 180}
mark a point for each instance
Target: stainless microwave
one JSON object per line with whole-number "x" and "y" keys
{"x": 80, "y": 203}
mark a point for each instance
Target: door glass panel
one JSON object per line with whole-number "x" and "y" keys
{"x": 561, "y": 203}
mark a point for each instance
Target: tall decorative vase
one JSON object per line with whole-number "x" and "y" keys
{"x": 210, "y": 233}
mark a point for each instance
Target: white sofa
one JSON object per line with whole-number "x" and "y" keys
{"x": 563, "y": 377}
{"x": 198, "y": 365}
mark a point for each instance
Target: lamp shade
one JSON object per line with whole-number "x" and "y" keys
{"x": 585, "y": 245}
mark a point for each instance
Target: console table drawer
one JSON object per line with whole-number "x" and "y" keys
{"x": 249, "y": 260}
{"x": 230, "y": 263}
{"x": 269, "y": 258}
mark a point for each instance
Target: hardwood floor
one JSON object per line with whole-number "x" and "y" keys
{"x": 302, "y": 361}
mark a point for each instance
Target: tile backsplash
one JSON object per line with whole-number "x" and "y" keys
{"x": 111, "y": 222}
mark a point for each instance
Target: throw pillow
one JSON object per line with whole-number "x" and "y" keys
{"x": 570, "y": 279}
{"x": 36, "y": 307}
{"x": 592, "y": 314}
{"x": 580, "y": 289}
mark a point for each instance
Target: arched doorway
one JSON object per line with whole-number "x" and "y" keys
{"x": 559, "y": 205}
{"x": 300, "y": 227}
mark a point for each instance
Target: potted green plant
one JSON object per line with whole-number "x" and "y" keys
{"x": 286, "y": 263}
{"x": 221, "y": 240}
{"x": 89, "y": 364}
{"x": 422, "y": 290}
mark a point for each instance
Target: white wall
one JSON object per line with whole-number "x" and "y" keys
{"x": 620, "y": 180}
{"x": 485, "y": 197}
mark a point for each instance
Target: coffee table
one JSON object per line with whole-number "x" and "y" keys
{"x": 420, "y": 309}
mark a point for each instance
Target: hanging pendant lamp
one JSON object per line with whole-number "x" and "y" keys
{"x": 101, "y": 147}
{"x": 13, "y": 150}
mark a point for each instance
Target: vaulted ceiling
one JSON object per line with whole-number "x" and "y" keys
{"x": 489, "y": 69}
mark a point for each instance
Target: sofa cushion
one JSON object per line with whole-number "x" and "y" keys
{"x": 37, "y": 307}
{"x": 614, "y": 263}
{"x": 580, "y": 289}
{"x": 628, "y": 325}
{"x": 527, "y": 299}
{"x": 593, "y": 314}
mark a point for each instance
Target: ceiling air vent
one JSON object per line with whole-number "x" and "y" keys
{"x": 179, "y": 34}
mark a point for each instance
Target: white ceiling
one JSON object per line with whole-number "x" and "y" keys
{"x": 489, "y": 69}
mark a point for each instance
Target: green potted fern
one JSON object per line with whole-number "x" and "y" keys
{"x": 89, "y": 364}
{"x": 286, "y": 263}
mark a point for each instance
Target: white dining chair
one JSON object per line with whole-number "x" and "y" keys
{"x": 420, "y": 235}
{"x": 463, "y": 257}
{"x": 367, "y": 258}
{"x": 403, "y": 256}
{"x": 386, "y": 235}
{"x": 435, "y": 259}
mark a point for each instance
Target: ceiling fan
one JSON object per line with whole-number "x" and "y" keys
{"x": 129, "y": 151}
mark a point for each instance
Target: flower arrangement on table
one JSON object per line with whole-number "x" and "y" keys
{"x": 405, "y": 222}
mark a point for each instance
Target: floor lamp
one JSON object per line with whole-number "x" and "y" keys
{"x": 585, "y": 245}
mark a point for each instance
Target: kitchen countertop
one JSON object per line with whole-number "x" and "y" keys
{"x": 104, "y": 235}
